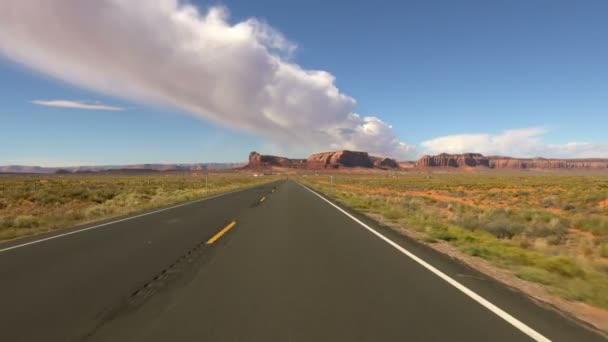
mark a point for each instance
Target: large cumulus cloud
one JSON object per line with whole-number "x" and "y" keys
{"x": 167, "y": 52}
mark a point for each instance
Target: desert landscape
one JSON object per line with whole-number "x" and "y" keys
{"x": 539, "y": 225}
{"x": 548, "y": 229}
{"x": 33, "y": 204}
{"x": 187, "y": 170}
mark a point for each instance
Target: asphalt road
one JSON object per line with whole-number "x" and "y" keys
{"x": 272, "y": 263}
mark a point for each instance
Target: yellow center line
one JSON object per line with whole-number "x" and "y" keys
{"x": 221, "y": 232}
{"x": 262, "y": 199}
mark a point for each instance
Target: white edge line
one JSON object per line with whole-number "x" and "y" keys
{"x": 479, "y": 299}
{"x": 121, "y": 220}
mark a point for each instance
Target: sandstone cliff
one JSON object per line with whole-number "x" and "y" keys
{"x": 542, "y": 163}
{"x": 495, "y": 162}
{"x": 385, "y": 163}
{"x": 454, "y": 160}
{"x": 257, "y": 160}
{"x": 350, "y": 159}
{"x": 325, "y": 160}
{"x": 339, "y": 158}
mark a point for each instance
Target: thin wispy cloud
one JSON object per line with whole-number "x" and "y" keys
{"x": 237, "y": 74}
{"x": 44, "y": 162}
{"x": 75, "y": 105}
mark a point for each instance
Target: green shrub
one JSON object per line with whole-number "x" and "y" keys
{"x": 444, "y": 235}
{"x": 550, "y": 201}
{"x": 102, "y": 195}
{"x": 554, "y": 227}
{"x": 535, "y": 275}
{"x": 414, "y": 203}
{"x": 467, "y": 220}
{"x": 5, "y": 222}
{"x": 392, "y": 214}
{"x": 525, "y": 243}
{"x": 476, "y": 250}
{"x": 503, "y": 228}
{"x": 594, "y": 224}
{"x": 569, "y": 207}
{"x": 602, "y": 267}
{"x": 25, "y": 221}
{"x": 563, "y": 266}
{"x": 603, "y": 248}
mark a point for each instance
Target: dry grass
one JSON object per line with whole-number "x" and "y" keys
{"x": 31, "y": 204}
{"x": 550, "y": 229}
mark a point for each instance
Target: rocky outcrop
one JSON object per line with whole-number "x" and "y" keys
{"x": 453, "y": 160}
{"x": 494, "y": 162}
{"x": 325, "y": 160}
{"x": 542, "y": 163}
{"x": 257, "y": 160}
{"x": 338, "y": 159}
{"x": 385, "y": 163}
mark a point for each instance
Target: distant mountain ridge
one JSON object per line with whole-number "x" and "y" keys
{"x": 465, "y": 160}
{"x": 131, "y": 167}
{"x": 358, "y": 159}
{"x": 342, "y": 159}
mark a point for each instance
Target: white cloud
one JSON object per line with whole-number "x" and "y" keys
{"x": 75, "y": 104}
{"x": 166, "y": 52}
{"x": 526, "y": 142}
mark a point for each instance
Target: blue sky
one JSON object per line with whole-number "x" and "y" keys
{"x": 523, "y": 78}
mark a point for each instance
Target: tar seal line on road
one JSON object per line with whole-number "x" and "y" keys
{"x": 488, "y": 305}
{"x": 221, "y": 232}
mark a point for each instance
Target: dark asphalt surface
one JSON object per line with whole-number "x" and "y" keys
{"x": 292, "y": 269}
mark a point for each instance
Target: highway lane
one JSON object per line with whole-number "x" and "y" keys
{"x": 294, "y": 268}
{"x": 60, "y": 289}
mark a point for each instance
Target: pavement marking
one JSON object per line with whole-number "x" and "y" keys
{"x": 262, "y": 199}
{"x": 479, "y": 299}
{"x": 221, "y": 232}
{"x": 121, "y": 220}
